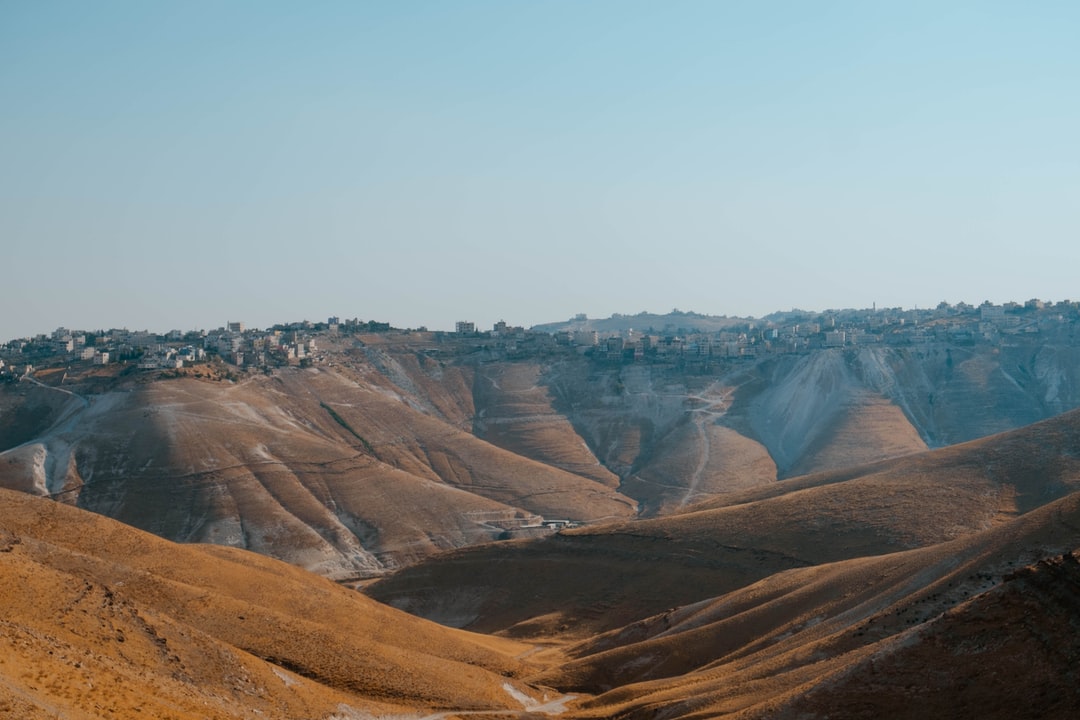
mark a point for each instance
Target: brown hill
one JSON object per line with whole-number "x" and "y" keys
{"x": 516, "y": 411}
{"x": 698, "y": 458}
{"x": 1026, "y": 467}
{"x": 819, "y": 410}
{"x": 335, "y": 470}
{"x": 660, "y": 429}
{"x": 961, "y": 629}
{"x": 602, "y": 577}
{"x": 850, "y": 590}
{"x": 1010, "y": 653}
{"x": 416, "y": 442}
{"x": 948, "y": 393}
{"x": 400, "y": 445}
{"x": 102, "y": 620}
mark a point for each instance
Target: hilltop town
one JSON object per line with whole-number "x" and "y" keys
{"x": 682, "y": 338}
{"x": 650, "y": 472}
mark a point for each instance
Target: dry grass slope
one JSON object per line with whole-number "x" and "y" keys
{"x": 102, "y": 620}
{"x": 960, "y": 629}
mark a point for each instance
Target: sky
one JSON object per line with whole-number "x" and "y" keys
{"x": 177, "y": 165}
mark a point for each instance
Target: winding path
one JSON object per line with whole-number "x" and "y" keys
{"x": 31, "y": 378}
{"x": 715, "y": 405}
{"x": 556, "y": 706}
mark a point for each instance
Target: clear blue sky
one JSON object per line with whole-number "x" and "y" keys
{"x": 180, "y": 164}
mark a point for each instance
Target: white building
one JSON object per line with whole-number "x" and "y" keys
{"x": 586, "y": 337}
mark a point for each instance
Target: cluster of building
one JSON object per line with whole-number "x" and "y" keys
{"x": 796, "y": 331}
{"x": 233, "y": 343}
{"x": 18, "y": 356}
{"x": 292, "y": 345}
{"x": 165, "y": 356}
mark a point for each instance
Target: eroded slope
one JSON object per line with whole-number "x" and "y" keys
{"x": 319, "y": 467}
{"x": 597, "y": 578}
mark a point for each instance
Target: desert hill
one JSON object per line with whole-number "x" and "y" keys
{"x": 102, "y": 620}
{"x": 336, "y": 474}
{"x": 698, "y": 583}
{"x": 1028, "y": 670}
{"x": 983, "y": 626}
{"x": 597, "y": 578}
{"x": 396, "y": 446}
{"x": 675, "y": 434}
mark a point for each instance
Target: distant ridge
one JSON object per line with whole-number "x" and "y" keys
{"x": 646, "y": 322}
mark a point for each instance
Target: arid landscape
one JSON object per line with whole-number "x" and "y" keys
{"x": 424, "y": 526}
{"x": 338, "y": 379}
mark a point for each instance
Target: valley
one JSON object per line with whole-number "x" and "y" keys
{"x": 420, "y": 525}
{"x": 338, "y": 380}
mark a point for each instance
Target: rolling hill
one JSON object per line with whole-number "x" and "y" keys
{"x": 594, "y": 579}
{"x": 983, "y": 626}
{"x": 700, "y": 577}
{"x": 344, "y": 477}
{"x": 398, "y": 446}
{"x": 103, "y": 620}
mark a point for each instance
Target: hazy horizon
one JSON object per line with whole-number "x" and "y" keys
{"x": 180, "y": 165}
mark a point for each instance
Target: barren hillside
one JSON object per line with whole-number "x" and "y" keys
{"x": 102, "y": 620}
{"x": 984, "y": 626}
{"x": 330, "y": 471}
{"x": 396, "y": 446}
{"x": 852, "y": 587}
{"x": 601, "y": 577}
